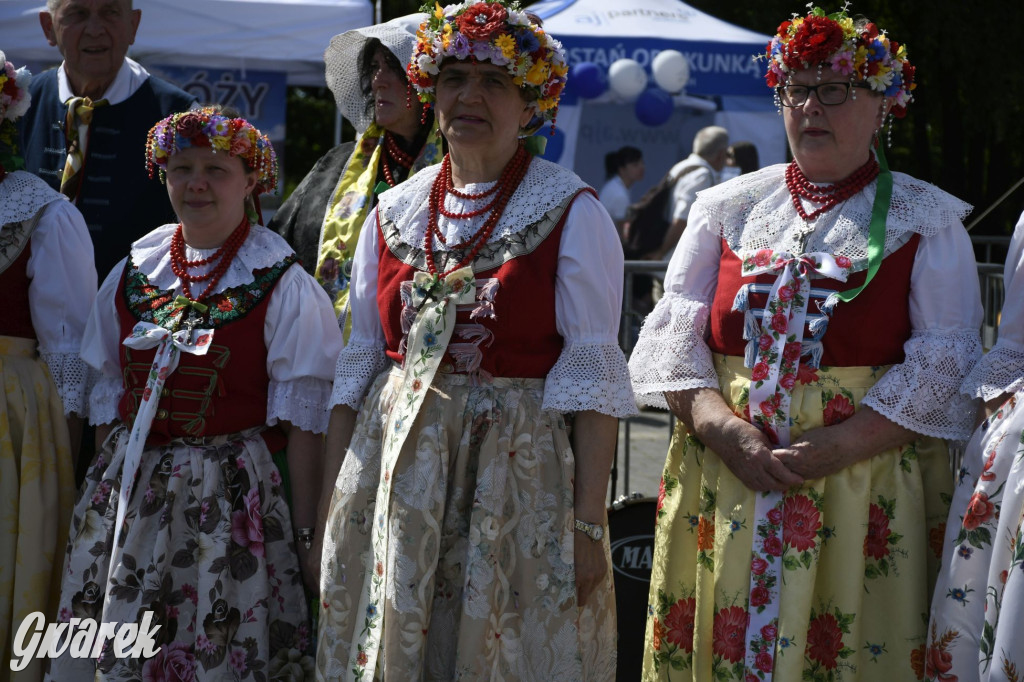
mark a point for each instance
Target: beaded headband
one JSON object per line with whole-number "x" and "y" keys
{"x": 14, "y": 95}
{"x": 496, "y": 31}
{"x": 207, "y": 127}
{"x": 855, "y": 49}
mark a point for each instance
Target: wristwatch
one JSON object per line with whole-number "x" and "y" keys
{"x": 594, "y": 531}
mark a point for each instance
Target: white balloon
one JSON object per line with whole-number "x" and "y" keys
{"x": 671, "y": 71}
{"x": 627, "y": 78}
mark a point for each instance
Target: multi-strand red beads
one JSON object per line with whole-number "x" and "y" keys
{"x": 511, "y": 176}
{"x": 393, "y": 154}
{"x": 223, "y": 257}
{"x": 827, "y": 196}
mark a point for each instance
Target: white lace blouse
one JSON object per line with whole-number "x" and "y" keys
{"x": 300, "y": 330}
{"x": 1001, "y": 370}
{"x": 591, "y": 372}
{"x": 63, "y": 279}
{"x": 755, "y": 211}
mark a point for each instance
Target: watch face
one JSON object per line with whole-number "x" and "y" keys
{"x": 597, "y": 532}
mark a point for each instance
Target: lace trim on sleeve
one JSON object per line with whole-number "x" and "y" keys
{"x": 1000, "y": 371}
{"x": 71, "y": 375}
{"x": 104, "y": 396}
{"x": 302, "y": 401}
{"x": 671, "y": 354}
{"x": 357, "y": 367}
{"x": 590, "y": 376}
{"x": 923, "y": 392}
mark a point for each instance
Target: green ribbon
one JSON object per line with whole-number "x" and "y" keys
{"x": 182, "y": 302}
{"x": 535, "y": 144}
{"x": 381, "y": 187}
{"x": 876, "y": 231}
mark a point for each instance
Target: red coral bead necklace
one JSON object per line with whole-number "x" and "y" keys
{"x": 222, "y": 257}
{"x": 393, "y": 154}
{"x": 827, "y": 195}
{"x": 506, "y": 186}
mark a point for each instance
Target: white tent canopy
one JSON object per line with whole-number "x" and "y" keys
{"x": 272, "y": 35}
{"x": 722, "y": 70}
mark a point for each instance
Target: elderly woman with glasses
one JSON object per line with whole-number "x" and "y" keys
{"x": 818, "y": 321}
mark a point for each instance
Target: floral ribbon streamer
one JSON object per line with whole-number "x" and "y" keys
{"x": 168, "y": 346}
{"x": 436, "y": 299}
{"x": 76, "y": 130}
{"x": 773, "y": 376}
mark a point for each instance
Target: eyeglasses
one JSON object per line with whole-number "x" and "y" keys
{"x": 828, "y": 94}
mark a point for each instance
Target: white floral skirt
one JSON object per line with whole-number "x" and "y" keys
{"x": 481, "y": 581}
{"x": 37, "y": 489}
{"x": 207, "y": 546}
{"x": 977, "y": 621}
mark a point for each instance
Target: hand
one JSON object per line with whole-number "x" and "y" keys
{"x": 591, "y": 566}
{"x": 817, "y": 453}
{"x": 748, "y": 454}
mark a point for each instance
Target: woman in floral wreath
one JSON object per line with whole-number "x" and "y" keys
{"x": 209, "y": 407}
{"x": 464, "y": 523}
{"x": 48, "y": 281}
{"x": 977, "y": 620}
{"x": 322, "y": 217}
{"x": 818, "y": 321}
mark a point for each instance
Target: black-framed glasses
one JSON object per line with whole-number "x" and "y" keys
{"x": 828, "y": 94}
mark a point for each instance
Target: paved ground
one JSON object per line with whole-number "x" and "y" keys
{"x": 648, "y": 437}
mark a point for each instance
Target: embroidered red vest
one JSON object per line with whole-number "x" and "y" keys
{"x": 222, "y": 392}
{"x": 14, "y": 282}
{"x": 868, "y": 331}
{"x": 516, "y": 284}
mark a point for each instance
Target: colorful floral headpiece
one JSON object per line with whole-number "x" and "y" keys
{"x": 14, "y": 95}
{"x": 207, "y": 127}
{"x": 498, "y": 32}
{"x": 855, "y": 49}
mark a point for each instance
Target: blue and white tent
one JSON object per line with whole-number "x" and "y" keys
{"x": 726, "y": 85}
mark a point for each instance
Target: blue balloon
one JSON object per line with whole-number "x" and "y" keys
{"x": 653, "y": 107}
{"x": 587, "y": 80}
{"x": 555, "y": 143}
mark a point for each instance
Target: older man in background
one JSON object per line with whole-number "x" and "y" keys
{"x": 86, "y": 132}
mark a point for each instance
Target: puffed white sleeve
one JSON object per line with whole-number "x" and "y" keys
{"x": 362, "y": 358}
{"x": 922, "y": 393}
{"x": 61, "y": 292}
{"x": 101, "y": 346}
{"x": 591, "y": 372}
{"x": 672, "y": 353}
{"x": 303, "y": 341}
{"x": 1001, "y": 370}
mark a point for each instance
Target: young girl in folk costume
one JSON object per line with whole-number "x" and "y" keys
{"x": 977, "y": 621}
{"x": 216, "y": 352}
{"x": 818, "y": 320}
{"x": 464, "y": 516}
{"x": 48, "y": 282}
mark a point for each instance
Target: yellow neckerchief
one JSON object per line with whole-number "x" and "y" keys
{"x": 350, "y": 204}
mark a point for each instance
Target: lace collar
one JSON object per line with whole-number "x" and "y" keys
{"x": 545, "y": 186}
{"x": 754, "y": 211}
{"x": 22, "y": 195}
{"x": 262, "y": 249}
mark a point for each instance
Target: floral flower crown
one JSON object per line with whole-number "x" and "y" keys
{"x": 496, "y": 31}
{"x": 207, "y": 127}
{"x": 858, "y": 50}
{"x": 14, "y": 95}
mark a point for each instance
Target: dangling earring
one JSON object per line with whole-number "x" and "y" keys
{"x": 888, "y": 136}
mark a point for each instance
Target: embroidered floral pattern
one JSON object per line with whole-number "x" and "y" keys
{"x": 825, "y": 647}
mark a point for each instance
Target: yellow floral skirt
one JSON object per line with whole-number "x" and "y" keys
{"x": 859, "y": 552}
{"x": 36, "y": 493}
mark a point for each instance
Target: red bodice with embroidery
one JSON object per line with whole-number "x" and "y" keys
{"x": 520, "y": 341}
{"x": 14, "y": 282}
{"x": 222, "y": 392}
{"x": 868, "y": 331}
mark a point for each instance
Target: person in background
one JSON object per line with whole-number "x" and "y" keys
{"x": 818, "y": 321}
{"x": 48, "y": 281}
{"x": 88, "y": 127}
{"x": 624, "y": 168}
{"x": 695, "y": 173}
{"x": 210, "y": 403}
{"x": 741, "y": 158}
{"x": 464, "y": 508}
{"x": 323, "y": 216}
{"x": 977, "y": 618}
